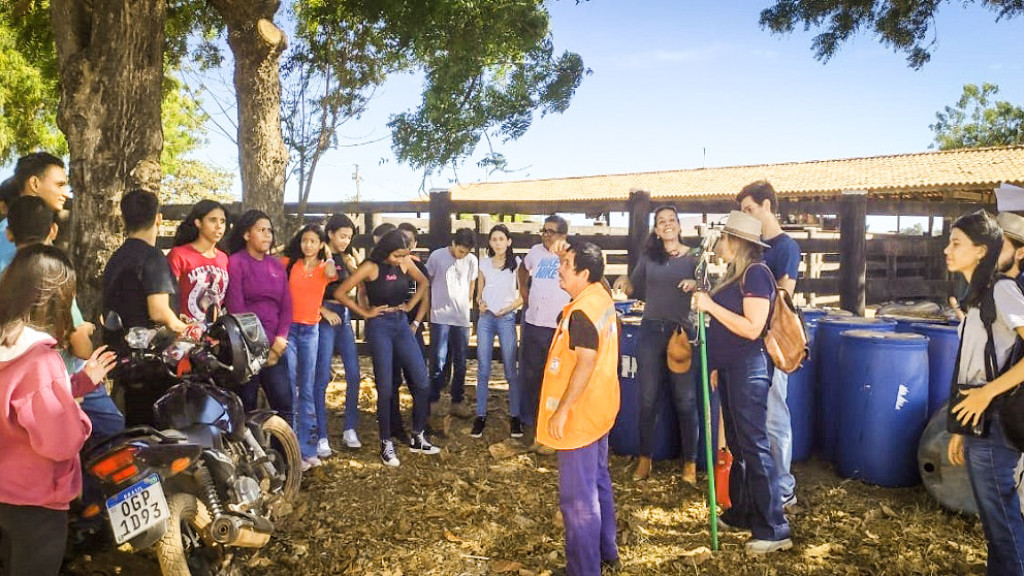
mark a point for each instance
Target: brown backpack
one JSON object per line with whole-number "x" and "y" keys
{"x": 785, "y": 337}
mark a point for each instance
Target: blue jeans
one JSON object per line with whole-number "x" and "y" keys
{"x": 338, "y": 339}
{"x": 397, "y": 427}
{"x": 753, "y": 482}
{"x": 990, "y": 463}
{"x": 655, "y": 380}
{"x": 780, "y": 432}
{"x": 443, "y": 337}
{"x": 277, "y": 385}
{"x": 302, "y": 348}
{"x": 588, "y": 508}
{"x": 106, "y": 421}
{"x": 505, "y": 327}
{"x": 390, "y": 336}
{"x": 533, "y": 356}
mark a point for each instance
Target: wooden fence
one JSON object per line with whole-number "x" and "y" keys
{"x": 847, "y": 266}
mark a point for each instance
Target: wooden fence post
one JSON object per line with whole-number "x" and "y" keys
{"x": 440, "y": 218}
{"x": 853, "y": 248}
{"x": 639, "y": 205}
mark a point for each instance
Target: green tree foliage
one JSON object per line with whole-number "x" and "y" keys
{"x": 29, "y": 96}
{"x": 903, "y": 25}
{"x": 978, "y": 120}
{"x": 490, "y": 67}
{"x": 28, "y": 82}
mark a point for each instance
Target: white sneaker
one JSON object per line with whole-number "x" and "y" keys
{"x": 755, "y": 546}
{"x": 351, "y": 439}
{"x": 387, "y": 454}
{"x": 311, "y": 462}
{"x": 323, "y": 448}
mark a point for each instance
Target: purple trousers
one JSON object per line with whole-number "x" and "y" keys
{"x": 588, "y": 508}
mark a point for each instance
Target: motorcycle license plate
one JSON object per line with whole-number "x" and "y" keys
{"x": 137, "y": 508}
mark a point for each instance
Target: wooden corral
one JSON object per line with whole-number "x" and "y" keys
{"x": 825, "y": 205}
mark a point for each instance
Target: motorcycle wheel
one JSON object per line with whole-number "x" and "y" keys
{"x": 170, "y": 550}
{"x": 282, "y": 438}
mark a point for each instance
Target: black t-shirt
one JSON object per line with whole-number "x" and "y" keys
{"x": 582, "y": 332}
{"x": 343, "y": 274}
{"x": 135, "y": 272}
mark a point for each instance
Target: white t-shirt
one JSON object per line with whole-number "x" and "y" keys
{"x": 500, "y": 286}
{"x": 1009, "y": 316}
{"x": 450, "y": 281}
{"x": 546, "y": 296}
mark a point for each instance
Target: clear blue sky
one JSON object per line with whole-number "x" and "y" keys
{"x": 672, "y": 79}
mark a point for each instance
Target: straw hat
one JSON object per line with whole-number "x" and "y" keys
{"x": 744, "y": 226}
{"x": 1012, "y": 225}
{"x": 678, "y": 352}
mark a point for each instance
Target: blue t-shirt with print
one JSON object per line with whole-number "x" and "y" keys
{"x": 724, "y": 347}
{"x": 783, "y": 256}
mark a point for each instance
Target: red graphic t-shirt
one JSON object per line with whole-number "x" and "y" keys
{"x": 202, "y": 281}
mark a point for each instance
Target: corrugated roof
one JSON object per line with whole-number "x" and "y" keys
{"x": 966, "y": 169}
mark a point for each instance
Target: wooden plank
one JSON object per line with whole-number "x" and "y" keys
{"x": 639, "y": 224}
{"x": 440, "y": 233}
{"x": 853, "y": 247}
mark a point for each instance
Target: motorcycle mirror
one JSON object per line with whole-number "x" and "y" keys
{"x": 212, "y": 313}
{"x": 113, "y": 322}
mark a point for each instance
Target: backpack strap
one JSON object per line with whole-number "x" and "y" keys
{"x": 771, "y": 301}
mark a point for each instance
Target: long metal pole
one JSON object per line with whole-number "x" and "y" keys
{"x": 708, "y": 449}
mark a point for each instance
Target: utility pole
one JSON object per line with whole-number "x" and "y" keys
{"x": 358, "y": 179}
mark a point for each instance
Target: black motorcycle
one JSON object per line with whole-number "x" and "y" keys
{"x": 210, "y": 478}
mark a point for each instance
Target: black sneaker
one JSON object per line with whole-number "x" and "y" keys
{"x": 478, "y": 426}
{"x": 517, "y": 427}
{"x": 387, "y": 454}
{"x": 420, "y": 445}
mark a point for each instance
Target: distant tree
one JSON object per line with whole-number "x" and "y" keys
{"x": 976, "y": 120}
{"x": 904, "y": 25}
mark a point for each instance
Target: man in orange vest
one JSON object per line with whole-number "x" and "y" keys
{"x": 578, "y": 403}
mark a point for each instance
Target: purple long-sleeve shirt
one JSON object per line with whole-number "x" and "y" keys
{"x": 260, "y": 287}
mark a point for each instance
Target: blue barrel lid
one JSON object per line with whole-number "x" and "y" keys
{"x": 887, "y": 338}
{"x": 926, "y": 327}
{"x": 854, "y": 321}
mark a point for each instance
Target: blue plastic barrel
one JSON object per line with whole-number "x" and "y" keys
{"x": 812, "y": 315}
{"x": 624, "y": 438}
{"x": 800, "y": 399}
{"x": 826, "y": 349}
{"x": 884, "y": 399}
{"x": 942, "y": 344}
{"x": 624, "y": 306}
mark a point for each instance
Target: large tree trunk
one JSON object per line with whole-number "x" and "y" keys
{"x": 257, "y": 45}
{"x": 111, "y": 68}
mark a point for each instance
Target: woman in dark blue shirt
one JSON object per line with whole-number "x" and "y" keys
{"x": 740, "y": 308}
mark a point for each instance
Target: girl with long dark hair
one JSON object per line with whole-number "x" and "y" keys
{"x": 975, "y": 243}
{"x": 664, "y": 266}
{"x": 386, "y": 275}
{"x": 337, "y": 337}
{"x": 42, "y": 428}
{"x": 498, "y": 299}
{"x": 259, "y": 285}
{"x": 199, "y": 266}
{"x": 310, "y": 269}
{"x": 740, "y": 308}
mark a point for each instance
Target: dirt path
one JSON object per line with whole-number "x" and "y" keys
{"x": 467, "y": 512}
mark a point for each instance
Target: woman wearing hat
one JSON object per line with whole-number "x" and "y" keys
{"x": 664, "y": 266}
{"x": 740, "y": 308}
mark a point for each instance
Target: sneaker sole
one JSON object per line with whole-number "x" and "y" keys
{"x": 480, "y": 435}
{"x": 784, "y": 545}
{"x": 516, "y": 435}
{"x": 428, "y": 451}
{"x": 392, "y": 463}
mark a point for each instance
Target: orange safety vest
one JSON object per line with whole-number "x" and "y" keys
{"x": 593, "y": 413}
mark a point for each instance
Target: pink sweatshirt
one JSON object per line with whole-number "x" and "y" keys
{"x": 42, "y": 428}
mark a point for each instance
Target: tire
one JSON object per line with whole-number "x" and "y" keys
{"x": 170, "y": 550}
{"x": 282, "y": 439}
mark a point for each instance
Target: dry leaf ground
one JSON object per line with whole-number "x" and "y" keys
{"x": 483, "y": 506}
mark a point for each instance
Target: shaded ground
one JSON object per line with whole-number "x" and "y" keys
{"x": 466, "y": 511}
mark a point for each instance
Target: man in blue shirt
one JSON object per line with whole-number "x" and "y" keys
{"x": 8, "y": 194}
{"x": 37, "y": 174}
{"x": 759, "y": 200}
